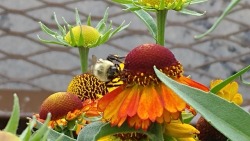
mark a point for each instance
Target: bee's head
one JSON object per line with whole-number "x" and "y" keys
{"x": 113, "y": 71}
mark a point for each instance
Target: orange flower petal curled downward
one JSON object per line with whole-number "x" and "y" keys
{"x": 130, "y": 104}
{"x": 104, "y": 101}
{"x": 172, "y": 102}
{"x": 150, "y": 106}
{"x": 136, "y": 122}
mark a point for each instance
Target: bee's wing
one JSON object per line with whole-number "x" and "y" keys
{"x": 93, "y": 62}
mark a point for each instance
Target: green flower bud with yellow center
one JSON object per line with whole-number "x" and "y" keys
{"x": 83, "y": 36}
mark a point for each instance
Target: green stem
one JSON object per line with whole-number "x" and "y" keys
{"x": 84, "y": 54}
{"x": 161, "y": 16}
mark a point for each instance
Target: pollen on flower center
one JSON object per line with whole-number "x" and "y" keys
{"x": 140, "y": 61}
{"x": 87, "y": 86}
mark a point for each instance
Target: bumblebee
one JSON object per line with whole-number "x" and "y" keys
{"x": 107, "y": 70}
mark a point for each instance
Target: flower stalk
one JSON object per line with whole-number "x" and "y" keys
{"x": 84, "y": 53}
{"x": 161, "y": 16}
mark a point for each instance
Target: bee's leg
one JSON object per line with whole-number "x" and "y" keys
{"x": 113, "y": 85}
{"x": 117, "y": 58}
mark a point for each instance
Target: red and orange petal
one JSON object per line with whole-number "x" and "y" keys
{"x": 188, "y": 81}
{"x": 138, "y": 123}
{"x": 90, "y": 108}
{"x": 59, "y": 105}
{"x": 141, "y": 105}
{"x": 73, "y": 115}
{"x": 59, "y": 122}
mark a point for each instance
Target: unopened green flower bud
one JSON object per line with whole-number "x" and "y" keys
{"x": 89, "y": 36}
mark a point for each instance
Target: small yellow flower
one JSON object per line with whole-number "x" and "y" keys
{"x": 89, "y": 36}
{"x": 229, "y": 92}
{"x": 180, "y": 130}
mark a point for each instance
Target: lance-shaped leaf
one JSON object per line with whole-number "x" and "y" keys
{"x": 226, "y": 117}
{"x": 232, "y": 4}
{"x": 147, "y": 19}
{"x": 14, "y": 118}
{"x": 218, "y": 87}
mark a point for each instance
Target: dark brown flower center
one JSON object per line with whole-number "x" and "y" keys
{"x": 139, "y": 62}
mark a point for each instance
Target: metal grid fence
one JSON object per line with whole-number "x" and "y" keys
{"x": 28, "y": 64}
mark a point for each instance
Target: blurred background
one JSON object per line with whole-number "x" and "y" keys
{"x": 34, "y": 70}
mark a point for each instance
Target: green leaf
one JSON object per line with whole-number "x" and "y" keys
{"x": 226, "y": 117}
{"x": 62, "y": 29}
{"x": 244, "y": 81}
{"x": 72, "y": 37}
{"x": 232, "y": 4}
{"x": 50, "y": 41}
{"x": 118, "y": 29}
{"x": 102, "y": 28}
{"x": 47, "y": 30}
{"x": 106, "y": 36}
{"x": 196, "y": 1}
{"x": 42, "y": 130}
{"x": 14, "y": 118}
{"x": 147, "y": 19}
{"x": 89, "y": 20}
{"x": 88, "y": 132}
{"x": 190, "y": 12}
{"x": 81, "y": 39}
{"x": 26, "y": 134}
{"x": 168, "y": 138}
{"x": 187, "y": 117}
{"x": 54, "y": 135}
{"x": 102, "y": 23}
{"x": 123, "y": 1}
{"x": 78, "y": 20}
{"x": 96, "y": 130}
{"x": 218, "y": 87}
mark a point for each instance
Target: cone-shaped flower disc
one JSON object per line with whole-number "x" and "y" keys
{"x": 59, "y": 105}
{"x": 87, "y": 86}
